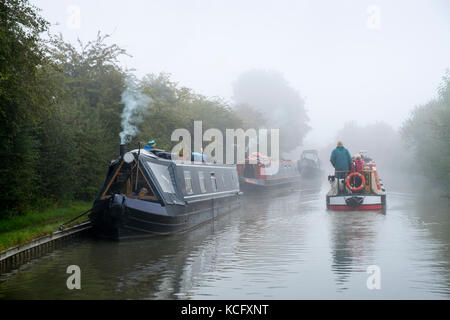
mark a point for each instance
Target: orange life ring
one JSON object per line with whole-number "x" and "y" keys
{"x": 363, "y": 181}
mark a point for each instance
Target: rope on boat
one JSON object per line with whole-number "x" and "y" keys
{"x": 61, "y": 226}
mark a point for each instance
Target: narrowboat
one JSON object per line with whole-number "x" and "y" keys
{"x": 360, "y": 190}
{"x": 253, "y": 175}
{"x": 146, "y": 193}
{"x": 309, "y": 164}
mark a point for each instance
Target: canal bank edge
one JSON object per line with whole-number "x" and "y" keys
{"x": 14, "y": 257}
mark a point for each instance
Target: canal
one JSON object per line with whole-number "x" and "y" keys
{"x": 284, "y": 246}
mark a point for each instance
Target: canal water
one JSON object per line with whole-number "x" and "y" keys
{"x": 276, "y": 246}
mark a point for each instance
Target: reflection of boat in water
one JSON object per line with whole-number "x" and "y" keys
{"x": 254, "y": 173}
{"x": 309, "y": 164}
{"x": 163, "y": 268}
{"x": 358, "y": 191}
{"x": 352, "y": 242}
{"x": 145, "y": 193}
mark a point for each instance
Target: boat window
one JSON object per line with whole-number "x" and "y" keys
{"x": 141, "y": 189}
{"x": 124, "y": 182}
{"x": 188, "y": 182}
{"x": 201, "y": 178}
{"x": 118, "y": 182}
{"x": 162, "y": 174}
{"x": 310, "y": 156}
{"x": 214, "y": 181}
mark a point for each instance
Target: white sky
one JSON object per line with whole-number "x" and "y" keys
{"x": 344, "y": 69}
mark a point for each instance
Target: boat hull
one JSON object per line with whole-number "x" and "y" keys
{"x": 123, "y": 218}
{"x": 363, "y": 202}
{"x": 248, "y": 184}
{"x": 311, "y": 172}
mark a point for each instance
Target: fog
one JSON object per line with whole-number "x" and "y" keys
{"x": 381, "y": 143}
{"x": 174, "y": 76}
{"x": 363, "y": 61}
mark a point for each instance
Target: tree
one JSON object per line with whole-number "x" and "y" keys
{"x": 22, "y": 101}
{"x": 251, "y": 118}
{"x": 427, "y": 133}
{"x": 83, "y": 132}
{"x": 281, "y": 105}
{"x": 175, "y": 107}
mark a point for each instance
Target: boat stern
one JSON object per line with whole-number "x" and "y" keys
{"x": 356, "y": 202}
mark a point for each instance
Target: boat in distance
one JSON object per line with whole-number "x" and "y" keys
{"x": 146, "y": 193}
{"x": 309, "y": 165}
{"x": 253, "y": 176}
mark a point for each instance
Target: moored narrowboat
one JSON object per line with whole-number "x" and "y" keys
{"x": 309, "y": 165}
{"x": 253, "y": 173}
{"x": 360, "y": 190}
{"x": 146, "y": 193}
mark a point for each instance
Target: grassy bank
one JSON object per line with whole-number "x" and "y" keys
{"x": 24, "y": 228}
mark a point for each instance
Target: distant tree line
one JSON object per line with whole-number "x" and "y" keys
{"x": 427, "y": 133}
{"x": 60, "y": 111}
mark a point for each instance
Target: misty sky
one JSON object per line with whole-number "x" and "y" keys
{"x": 345, "y": 62}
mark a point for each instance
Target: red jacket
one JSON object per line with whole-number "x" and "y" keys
{"x": 359, "y": 165}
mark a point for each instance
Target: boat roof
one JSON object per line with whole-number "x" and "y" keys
{"x": 145, "y": 152}
{"x": 310, "y": 151}
{"x": 179, "y": 162}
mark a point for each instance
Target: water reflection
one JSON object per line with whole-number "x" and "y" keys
{"x": 277, "y": 246}
{"x": 353, "y": 236}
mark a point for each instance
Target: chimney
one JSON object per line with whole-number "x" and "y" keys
{"x": 123, "y": 150}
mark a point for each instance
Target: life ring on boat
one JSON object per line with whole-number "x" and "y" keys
{"x": 363, "y": 181}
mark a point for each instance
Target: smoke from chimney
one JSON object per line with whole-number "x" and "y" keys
{"x": 136, "y": 104}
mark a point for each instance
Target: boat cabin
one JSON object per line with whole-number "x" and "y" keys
{"x": 142, "y": 175}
